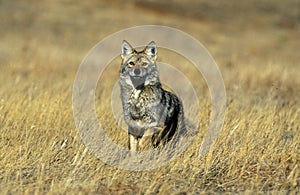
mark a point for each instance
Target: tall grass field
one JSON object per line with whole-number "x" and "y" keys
{"x": 256, "y": 45}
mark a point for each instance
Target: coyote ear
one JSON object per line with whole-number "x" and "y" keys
{"x": 126, "y": 49}
{"x": 151, "y": 50}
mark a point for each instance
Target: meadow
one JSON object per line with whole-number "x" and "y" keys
{"x": 256, "y": 45}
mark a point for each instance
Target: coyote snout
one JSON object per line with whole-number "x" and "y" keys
{"x": 137, "y": 71}
{"x": 148, "y": 108}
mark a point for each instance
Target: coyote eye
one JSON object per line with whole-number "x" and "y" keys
{"x": 131, "y": 63}
{"x": 144, "y": 64}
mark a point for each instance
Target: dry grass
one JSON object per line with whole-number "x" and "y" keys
{"x": 42, "y": 46}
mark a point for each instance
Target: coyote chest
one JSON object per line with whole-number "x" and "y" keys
{"x": 144, "y": 103}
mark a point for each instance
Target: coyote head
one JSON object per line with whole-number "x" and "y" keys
{"x": 138, "y": 68}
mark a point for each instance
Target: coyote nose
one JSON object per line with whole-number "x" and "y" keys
{"x": 137, "y": 71}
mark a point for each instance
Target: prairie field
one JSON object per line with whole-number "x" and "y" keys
{"x": 255, "y": 43}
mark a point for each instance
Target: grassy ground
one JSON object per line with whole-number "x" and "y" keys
{"x": 255, "y": 43}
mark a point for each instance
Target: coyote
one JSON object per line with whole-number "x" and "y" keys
{"x": 148, "y": 108}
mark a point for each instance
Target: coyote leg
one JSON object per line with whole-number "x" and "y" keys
{"x": 133, "y": 143}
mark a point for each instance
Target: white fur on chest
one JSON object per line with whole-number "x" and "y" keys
{"x": 136, "y": 93}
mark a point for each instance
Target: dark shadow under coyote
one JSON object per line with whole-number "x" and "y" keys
{"x": 153, "y": 115}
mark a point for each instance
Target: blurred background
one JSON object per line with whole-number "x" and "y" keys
{"x": 231, "y": 30}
